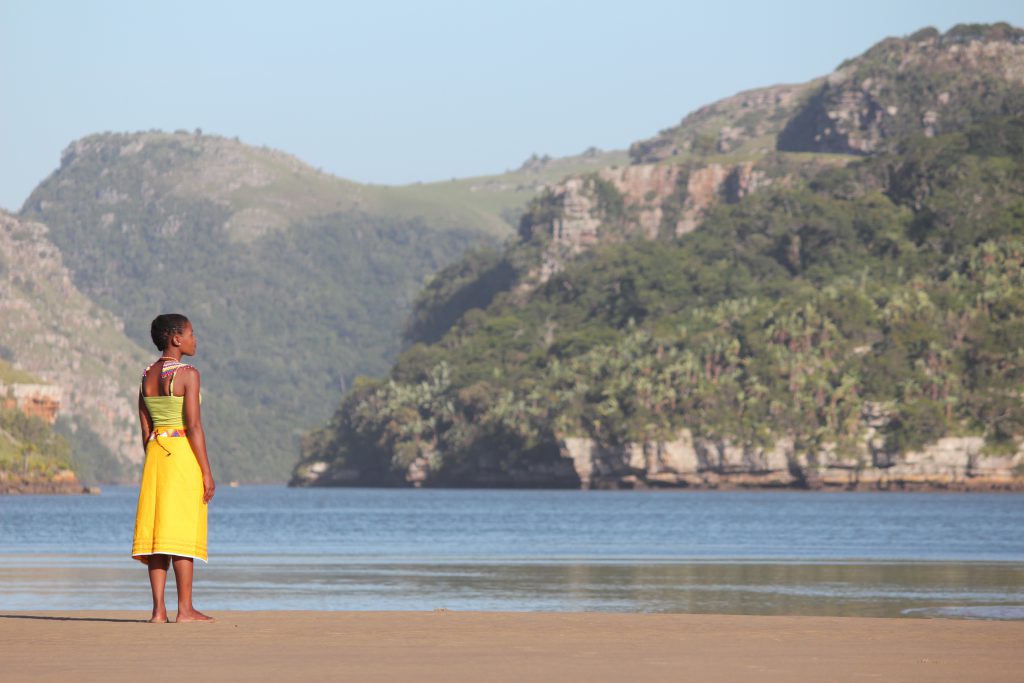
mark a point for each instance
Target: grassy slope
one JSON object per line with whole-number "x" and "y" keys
{"x": 497, "y": 199}
{"x": 288, "y": 191}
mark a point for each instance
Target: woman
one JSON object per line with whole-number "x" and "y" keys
{"x": 170, "y": 523}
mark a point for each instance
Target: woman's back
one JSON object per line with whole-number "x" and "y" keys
{"x": 166, "y": 408}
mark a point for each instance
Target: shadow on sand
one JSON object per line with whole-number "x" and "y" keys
{"x": 33, "y": 616}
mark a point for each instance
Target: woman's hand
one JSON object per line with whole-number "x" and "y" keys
{"x": 208, "y": 487}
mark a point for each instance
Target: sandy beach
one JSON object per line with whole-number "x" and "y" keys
{"x": 496, "y": 646}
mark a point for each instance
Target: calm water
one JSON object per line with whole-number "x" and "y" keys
{"x": 371, "y": 549}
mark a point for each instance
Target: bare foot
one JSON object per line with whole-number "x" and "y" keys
{"x": 158, "y": 618}
{"x": 192, "y": 616}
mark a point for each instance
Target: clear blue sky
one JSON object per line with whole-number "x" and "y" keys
{"x": 394, "y": 92}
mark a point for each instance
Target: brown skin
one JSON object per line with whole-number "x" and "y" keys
{"x": 186, "y": 383}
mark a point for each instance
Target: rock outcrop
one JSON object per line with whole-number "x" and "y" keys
{"x": 951, "y": 463}
{"x": 63, "y": 481}
{"x": 656, "y": 200}
{"x": 35, "y": 400}
{"x": 927, "y": 83}
{"x": 690, "y": 462}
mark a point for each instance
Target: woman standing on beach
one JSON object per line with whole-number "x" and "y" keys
{"x": 170, "y": 523}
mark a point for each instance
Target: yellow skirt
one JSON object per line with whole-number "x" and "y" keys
{"x": 171, "y": 517}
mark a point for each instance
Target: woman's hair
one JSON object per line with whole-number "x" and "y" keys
{"x": 166, "y": 326}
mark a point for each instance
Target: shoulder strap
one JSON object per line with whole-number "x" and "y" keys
{"x": 170, "y": 367}
{"x": 174, "y": 373}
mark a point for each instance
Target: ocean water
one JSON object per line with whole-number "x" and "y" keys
{"x": 886, "y": 554}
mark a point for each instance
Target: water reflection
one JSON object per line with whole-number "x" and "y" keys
{"x": 963, "y": 590}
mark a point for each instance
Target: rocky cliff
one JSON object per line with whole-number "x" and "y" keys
{"x": 33, "y": 399}
{"x": 53, "y": 331}
{"x": 688, "y": 462}
{"x": 927, "y": 83}
{"x": 649, "y": 201}
{"x": 951, "y": 463}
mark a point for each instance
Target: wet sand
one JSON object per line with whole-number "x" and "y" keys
{"x": 504, "y": 646}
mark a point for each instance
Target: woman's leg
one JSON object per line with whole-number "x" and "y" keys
{"x": 158, "y": 581}
{"x": 183, "y": 580}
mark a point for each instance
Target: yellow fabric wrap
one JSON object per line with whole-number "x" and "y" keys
{"x": 171, "y": 516}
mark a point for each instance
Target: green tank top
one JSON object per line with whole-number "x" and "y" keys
{"x": 167, "y": 411}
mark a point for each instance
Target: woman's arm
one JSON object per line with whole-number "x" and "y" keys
{"x": 145, "y": 421}
{"x": 194, "y": 428}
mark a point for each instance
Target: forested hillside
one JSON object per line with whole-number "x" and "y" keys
{"x": 794, "y": 283}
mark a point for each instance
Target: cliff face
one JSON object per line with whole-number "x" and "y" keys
{"x": 951, "y": 463}
{"x": 689, "y": 462}
{"x": 53, "y": 331}
{"x": 651, "y": 201}
{"x": 35, "y": 400}
{"x": 927, "y": 83}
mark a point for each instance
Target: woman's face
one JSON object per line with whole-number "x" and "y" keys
{"x": 187, "y": 341}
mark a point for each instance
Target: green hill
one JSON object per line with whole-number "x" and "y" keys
{"x": 775, "y": 291}
{"x": 297, "y": 280}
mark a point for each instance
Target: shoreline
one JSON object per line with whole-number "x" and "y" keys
{"x": 63, "y": 482}
{"x": 980, "y": 485}
{"x": 445, "y": 645}
{"x": 18, "y": 485}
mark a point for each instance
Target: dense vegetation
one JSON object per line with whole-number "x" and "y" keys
{"x": 28, "y": 445}
{"x": 891, "y": 288}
